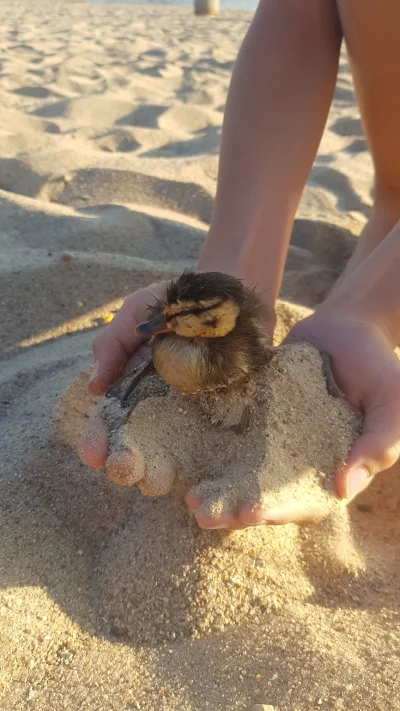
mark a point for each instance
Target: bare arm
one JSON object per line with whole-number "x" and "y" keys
{"x": 279, "y": 98}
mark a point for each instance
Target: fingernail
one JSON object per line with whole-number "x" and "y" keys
{"x": 273, "y": 515}
{"x": 94, "y": 371}
{"x": 211, "y": 526}
{"x": 356, "y": 481}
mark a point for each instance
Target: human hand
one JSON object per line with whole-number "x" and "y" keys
{"x": 368, "y": 373}
{"x": 117, "y": 350}
{"x": 359, "y": 327}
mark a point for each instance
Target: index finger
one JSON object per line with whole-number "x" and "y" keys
{"x": 114, "y": 346}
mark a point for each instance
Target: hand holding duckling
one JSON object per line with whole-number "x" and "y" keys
{"x": 207, "y": 331}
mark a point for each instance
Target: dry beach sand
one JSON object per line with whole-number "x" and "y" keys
{"x": 110, "y": 120}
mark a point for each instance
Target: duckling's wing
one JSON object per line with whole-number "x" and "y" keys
{"x": 123, "y": 388}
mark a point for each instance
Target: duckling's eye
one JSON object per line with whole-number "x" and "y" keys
{"x": 211, "y": 322}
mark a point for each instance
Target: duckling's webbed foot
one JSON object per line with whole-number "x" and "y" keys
{"x": 124, "y": 388}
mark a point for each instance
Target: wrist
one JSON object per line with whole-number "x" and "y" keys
{"x": 237, "y": 267}
{"x": 248, "y": 254}
{"x": 372, "y": 291}
{"x": 363, "y": 303}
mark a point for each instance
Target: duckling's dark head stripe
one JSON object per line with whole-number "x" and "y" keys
{"x": 195, "y": 310}
{"x": 192, "y": 286}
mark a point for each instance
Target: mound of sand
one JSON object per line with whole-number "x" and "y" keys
{"x": 162, "y": 578}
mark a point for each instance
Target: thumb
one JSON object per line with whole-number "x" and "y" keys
{"x": 377, "y": 449}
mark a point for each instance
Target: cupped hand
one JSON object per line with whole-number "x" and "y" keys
{"x": 367, "y": 371}
{"x": 117, "y": 350}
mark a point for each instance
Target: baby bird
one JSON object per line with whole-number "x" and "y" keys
{"x": 208, "y": 331}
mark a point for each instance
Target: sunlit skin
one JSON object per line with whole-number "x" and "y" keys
{"x": 269, "y": 142}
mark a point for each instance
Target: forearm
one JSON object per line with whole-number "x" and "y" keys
{"x": 372, "y": 291}
{"x": 281, "y": 89}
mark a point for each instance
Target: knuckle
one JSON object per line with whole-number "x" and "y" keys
{"x": 383, "y": 459}
{"x": 131, "y": 300}
{"x": 391, "y": 455}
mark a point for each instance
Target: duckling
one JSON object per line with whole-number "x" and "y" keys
{"x": 208, "y": 331}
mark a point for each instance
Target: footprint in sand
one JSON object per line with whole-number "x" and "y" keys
{"x": 347, "y": 126}
{"x": 117, "y": 141}
{"x": 340, "y": 185}
{"x": 145, "y": 116}
{"x": 34, "y": 92}
{"x": 96, "y": 112}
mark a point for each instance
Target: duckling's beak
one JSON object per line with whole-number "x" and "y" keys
{"x": 150, "y": 328}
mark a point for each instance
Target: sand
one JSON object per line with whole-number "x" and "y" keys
{"x": 109, "y": 130}
{"x": 294, "y": 437}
